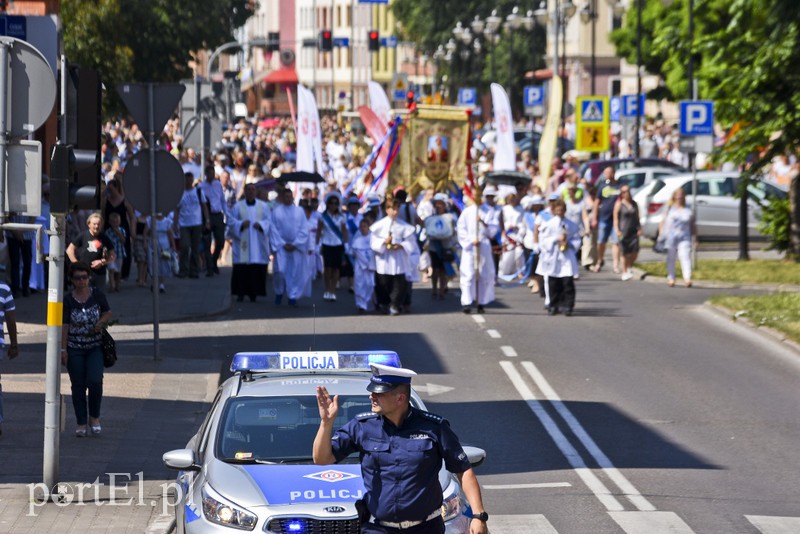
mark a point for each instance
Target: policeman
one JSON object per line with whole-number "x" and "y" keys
{"x": 401, "y": 450}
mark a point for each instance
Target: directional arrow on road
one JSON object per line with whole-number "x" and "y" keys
{"x": 433, "y": 389}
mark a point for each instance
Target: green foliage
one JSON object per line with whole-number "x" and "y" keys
{"x": 145, "y": 40}
{"x": 775, "y": 222}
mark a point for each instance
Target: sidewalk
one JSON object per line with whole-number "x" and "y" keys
{"x": 149, "y": 406}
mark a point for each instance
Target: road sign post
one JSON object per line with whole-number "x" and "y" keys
{"x": 697, "y": 135}
{"x": 592, "y": 128}
{"x": 151, "y": 105}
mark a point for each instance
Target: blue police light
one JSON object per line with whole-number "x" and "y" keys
{"x": 295, "y": 526}
{"x": 265, "y": 362}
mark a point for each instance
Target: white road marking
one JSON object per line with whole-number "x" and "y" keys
{"x": 509, "y": 351}
{"x": 600, "y": 457}
{"x": 478, "y": 319}
{"x": 433, "y": 389}
{"x": 493, "y": 333}
{"x": 650, "y": 522}
{"x": 527, "y": 486}
{"x": 775, "y": 524}
{"x": 573, "y": 457}
{"x": 522, "y": 524}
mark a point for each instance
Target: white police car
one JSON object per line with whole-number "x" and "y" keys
{"x": 249, "y": 466}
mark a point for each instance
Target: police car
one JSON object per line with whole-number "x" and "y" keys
{"x": 249, "y": 466}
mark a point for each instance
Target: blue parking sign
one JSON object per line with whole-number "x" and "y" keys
{"x": 614, "y": 107}
{"x": 630, "y": 107}
{"x": 697, "y": 117}
{"x": 467, "y": 96}
{"x": 533, "y": 96}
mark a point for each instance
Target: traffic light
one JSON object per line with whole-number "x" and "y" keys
{"x": 78, "y": 160}
{"x": 374, "y": 41}
{"x": 273, "y": 41}
{"x": 325, "y": 41}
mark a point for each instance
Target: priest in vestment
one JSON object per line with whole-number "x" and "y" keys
{"x": 289, "y": 240}
{"x": 475, "y": 231}
{"x": 249, "y": 224}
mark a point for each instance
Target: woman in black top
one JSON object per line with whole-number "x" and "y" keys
{"x": 86, "y": 313}
{"x": 114, "y": 201}
{"x": 93, "y": 248}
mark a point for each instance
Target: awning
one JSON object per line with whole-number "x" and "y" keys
{"x": 283, "y": 75}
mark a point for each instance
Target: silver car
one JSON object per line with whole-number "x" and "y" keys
{"x": 249, "y": 466}
{"x": 717, "y": 204}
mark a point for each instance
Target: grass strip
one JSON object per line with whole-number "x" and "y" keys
{"x": 780, "y": 311}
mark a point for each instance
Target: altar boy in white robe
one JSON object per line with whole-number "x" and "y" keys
{"x": 363, "y": 267}
{"x": 289, "y": 240}
{"x": 475, "y": 232}
{"x": 559, "y": 240}
{"x": 395, "y": 245}
{"x": 248, "y": 227}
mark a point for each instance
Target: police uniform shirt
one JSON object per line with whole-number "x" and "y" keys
{"x": 400, "y": 466}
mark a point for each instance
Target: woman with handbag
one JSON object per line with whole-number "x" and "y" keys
{"x": 678, "y": 230}
{"x": 86, "y": 314}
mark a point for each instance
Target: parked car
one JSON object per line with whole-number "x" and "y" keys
{"x": 638, "y": 177}
{"x": 717, "y": 204}
{"x": 592, "y": 169}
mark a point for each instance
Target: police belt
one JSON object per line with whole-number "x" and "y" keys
{"x": 409, "y": 524}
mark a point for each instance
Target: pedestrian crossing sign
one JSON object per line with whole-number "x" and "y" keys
{"x": 592, "y": 128}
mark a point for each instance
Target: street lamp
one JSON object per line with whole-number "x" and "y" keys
{"x": 589, "y": 13}
{"x": 438, "y": 56}
{"x": 564, "y": 11}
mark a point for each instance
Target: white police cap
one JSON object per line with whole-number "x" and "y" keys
{"x": 386, "y": 378}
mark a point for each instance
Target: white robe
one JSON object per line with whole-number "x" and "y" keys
{"x": 249, "y": 245}
{"x": 469, "y": 230}
{"x": 289, "y": 226}
{"x": 398, "y": 260}
{"x": 513, "y": 258}
{"x": 313, "y": 257}
{"x": 363, "y": 271}
{"x": 553, "y": 261}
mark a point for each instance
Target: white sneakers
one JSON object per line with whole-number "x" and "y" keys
{"x": 329, "y": 296}
{"x": 627, "y": 275}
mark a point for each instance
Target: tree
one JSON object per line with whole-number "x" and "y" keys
{"x": 745, "y": 56}
{"x": 146, "y": 40}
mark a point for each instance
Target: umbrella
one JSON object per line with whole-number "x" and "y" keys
{"x": 508, "y": 178}
{"x": 301, "y": 176}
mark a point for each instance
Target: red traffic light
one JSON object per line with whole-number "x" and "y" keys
{"x": 374, "y": 41}
{"x": 326, "y": 35}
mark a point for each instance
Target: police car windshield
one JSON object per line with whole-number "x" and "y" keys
{"x": 277, "y": 429}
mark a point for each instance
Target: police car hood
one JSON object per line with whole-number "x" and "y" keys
{"x": 298, "y": 484}
{"x": 273, "y": 485}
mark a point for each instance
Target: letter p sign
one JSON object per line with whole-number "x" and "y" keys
{"x": 697, "y": 118}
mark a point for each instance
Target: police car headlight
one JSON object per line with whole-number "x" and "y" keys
{"x": 222, "y": 512}
{"x": 451, "y": 507}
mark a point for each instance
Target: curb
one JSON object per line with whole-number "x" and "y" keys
{"x": 771, "y": 333}
{"x": 644, "y": 276}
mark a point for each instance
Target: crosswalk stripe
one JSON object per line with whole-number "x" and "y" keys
{"x": 521, "y": 524}
{"x": 650, "y": 522}
{"x": 775, "y": 525}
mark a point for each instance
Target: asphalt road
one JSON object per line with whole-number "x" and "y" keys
{"x": 643, "y": 413}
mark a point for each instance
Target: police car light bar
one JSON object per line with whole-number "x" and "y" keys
{"x": 265, "y": 362}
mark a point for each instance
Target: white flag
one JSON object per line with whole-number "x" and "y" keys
{"x": 505, "y": 156}
{"x": 309, "y": 135}
{"x": 378, "y": 101}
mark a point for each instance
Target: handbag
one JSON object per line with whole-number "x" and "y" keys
{"x": 109, "y": 349}
{"x": 660, "y": 245}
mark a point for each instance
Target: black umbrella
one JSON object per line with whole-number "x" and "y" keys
{"x": 300, "y": 176}
{"x": 508, "y": 178}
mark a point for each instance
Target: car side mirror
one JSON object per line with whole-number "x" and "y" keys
{"x": 475, "y": 455}
{"x": 181, "y": 459}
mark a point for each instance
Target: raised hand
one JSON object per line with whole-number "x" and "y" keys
{"x": 328, "y": 408}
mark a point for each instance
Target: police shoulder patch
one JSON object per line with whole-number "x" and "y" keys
{"x": 431, "y": 416}
{"x": 366, "y": 415}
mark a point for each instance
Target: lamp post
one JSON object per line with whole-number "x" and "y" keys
{"x": 564, "y": 11}
{"x": 438, "y": 56}
{"x": 589, "y": 14}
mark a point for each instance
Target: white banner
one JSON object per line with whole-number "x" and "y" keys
{"x": 309, "y": 135}
{"x": 379, "y": 102}
{"x": 505, "y": 156}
